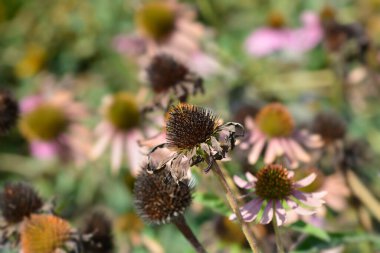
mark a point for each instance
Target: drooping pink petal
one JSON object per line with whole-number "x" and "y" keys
{"x": 270, "y": 153}
{"x": 298, "y": 209}
{"x": 254, "y": 154}
{"x": 132, "y": 45}
{"x": 310, "y": 199}
{"x": 101, "y": 144}
{"x": 251, "y": 178}
{"x": 250, "y": 210}
{"x": 268, "y": 213}
{"x": 305, "y": 181}
{"x": 241, "y": 183}
{"x": 203, "y": 64}
{"x": 280, "y": 213}
{"x": 298, "y": 151}
{"x": 249, "y": 123}
{"x": 135, "y": 156}
{"x": 117, "y": 152}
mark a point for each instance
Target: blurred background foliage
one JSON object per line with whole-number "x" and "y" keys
{"x": 73, "y": 39}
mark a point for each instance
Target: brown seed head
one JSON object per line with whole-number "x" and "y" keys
{"x": 17, "y": 201}
{"x": 99, "y": 227}
{"x": 330, "y": 126}
{"x": 158, "y": 198}
{"x": 273, "y": 182}
{"x": 9, "y": 111}
{"x": 164, "y": 72}
{"x": 188, "y": 126}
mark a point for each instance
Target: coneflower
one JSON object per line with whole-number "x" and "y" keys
{"x": 159, "y": 199}
{"x": 9, "y": 111}
{"x": 97, "y": 234}
{"x": 330, "y": 126}
{"x": 195, "y": 134}
{"x": 18, "y": 201}
{"x": 170, "y": 80}
{"x": 45, "y": 233}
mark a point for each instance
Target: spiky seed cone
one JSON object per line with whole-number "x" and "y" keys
{"x": 188, "y": 126}
{"x": 18, "y": 200}
{"x": 158, "y": 198}
{"x": 9, "y": 111}
{"x": 44, "y": 233}
{"x": 164, "y": 72}
{"x": 99, "y": 227}
{"x": 330, "y": 126}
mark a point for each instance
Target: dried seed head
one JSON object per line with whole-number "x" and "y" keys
{"x": 9, "y": 111}
{"x": 158, "y": 198}
{"x": 275, "y": 120}
{"x": 244, "y": 111}
{"x": 123, "y": 111}
{"x": 44, "y": 233}
{"x": 276, "y": 20}
{"x": 330, "y": 126}
{"x": 188, "y": 126}
{"x": 273, "y": 182}
{"x": 46, "y": 122}
{"x": 356, "y": 154}
{"x": 156, "y": 20}
{"x": 17, "y": 201}
{"x": 99, "y": 227}
{"x": 164, "y": 72}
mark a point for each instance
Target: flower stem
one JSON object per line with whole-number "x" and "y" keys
{"x": 280, "y": 247}
{"x": 234, "y": 206}
{"x": 182, "y": 226}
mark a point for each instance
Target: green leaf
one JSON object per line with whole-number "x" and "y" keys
{"x": 213, "y": 202}
{"x": 309, "y": 229}
{"x": 313, "y": 244}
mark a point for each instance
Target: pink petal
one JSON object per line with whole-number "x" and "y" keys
{"x": 299, "y": 152}
{"x": 268, "y": 213}
{"x": 242, "y": 183}
{"x": 135, "y": 156}
{"x": 117, "y": 152}
{"x": 203, "y": 64}
{"x": 305, "y": 181}
{"x": 298, "y": 209}
{"x": 44, "y": 149}
{"x": 249, "y": 123}
{"x": 253, "y": 156}
{"x": 310, "y": 199}
{"x": 29, "y": 103}
{"x": 265, "y": 41}
{"x": 270, "y": 153}
{"x": 280, "y": 213}
{"x": 251, "y": 178}
{"x": 101, "y": 144}
{"x": 250, "y": 210}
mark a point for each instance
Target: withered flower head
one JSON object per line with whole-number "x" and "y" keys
{"x": 330, "y": 126}
{"x": 99, "y": 230}
{"x": 159, "y": 199}
{"x": 193, "y": 135}
{"x": 165, "y": 74}
{"x": 188, "y": 126}
{"x": 17, "y": 201}
{"x": 44, "y": 233}
{"x": 9, "y": 111}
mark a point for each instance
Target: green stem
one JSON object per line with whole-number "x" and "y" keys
{"x": 280, "y": 247}
{"x": 234, "y": 206}
{"x": 182, "y": 226}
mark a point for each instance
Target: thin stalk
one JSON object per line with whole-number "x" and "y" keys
{"x": 280, "y": 247}
{"x": 234, "y": 206}
{"x": 182, "y": 226}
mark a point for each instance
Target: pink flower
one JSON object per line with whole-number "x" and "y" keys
{"x": 267, "y": 40}
{"x": 50, "y": 123}
{"x": 275, "y": 192}
{"x": 120, "y": 129}
{"x": 273, "y": 130}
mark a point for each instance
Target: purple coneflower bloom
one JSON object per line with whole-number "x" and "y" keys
{"x": 50, "y": 123}
{"x": 275, "y": 193}
{"x": 275, "y": 37}
{"x": 273, "y": 127}
{"x": 120, "y": 129}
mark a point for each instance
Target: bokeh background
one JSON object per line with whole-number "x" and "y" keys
{"x": 73, "y": 45}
